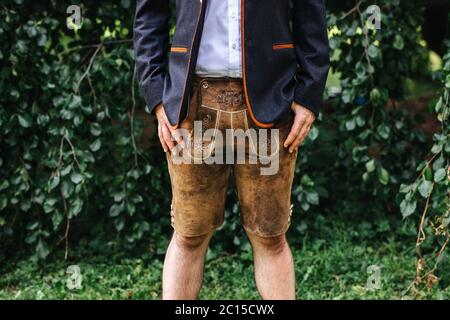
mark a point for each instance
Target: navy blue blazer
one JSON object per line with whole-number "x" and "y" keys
{"x": 281, "y": 61}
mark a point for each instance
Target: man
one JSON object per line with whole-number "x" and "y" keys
{"x": 232, "y": 64}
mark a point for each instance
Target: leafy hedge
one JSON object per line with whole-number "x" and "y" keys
{"x": 430, "y": 192}
{"x": 70, "y": 149}
{"x": 74, "y": 163}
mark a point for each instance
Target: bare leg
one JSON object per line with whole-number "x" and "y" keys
{"x": 274, "y": 267}
{"x": 183, "y": 267}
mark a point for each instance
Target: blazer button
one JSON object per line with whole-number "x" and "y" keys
{"x": 205, "y": 85}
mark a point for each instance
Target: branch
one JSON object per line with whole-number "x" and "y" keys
{"x": 91, "y": 61}
{"x": 352, "y": 10}
{"x": 131, "y": 115}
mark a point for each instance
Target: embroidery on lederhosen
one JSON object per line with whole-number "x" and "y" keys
{"x": 291, "y": 209}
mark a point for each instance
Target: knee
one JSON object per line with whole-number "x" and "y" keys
{"x": 191, "y": 243}
{"x": 273, "y": 245}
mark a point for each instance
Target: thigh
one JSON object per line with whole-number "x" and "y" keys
{"x": 265, "y": 199}
{"x": 198, "y": 196}
{"x": 198, "y": 186}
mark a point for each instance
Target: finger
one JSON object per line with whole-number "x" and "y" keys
{"x": 300, "y": 138}
{"x": 295, "y": 130}
{"x": 178, "y": 137}
{"x": 161, "y": 138}
{"x": 167, "y": 137}
{"x": 173, "y": 132}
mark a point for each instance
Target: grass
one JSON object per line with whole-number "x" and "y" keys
{"x": 331, "y": 263}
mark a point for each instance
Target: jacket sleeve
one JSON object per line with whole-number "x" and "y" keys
{"x": 312, "y": 52}
{"x": 151, "y": 41}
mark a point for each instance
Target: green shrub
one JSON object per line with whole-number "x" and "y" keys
{"x": 430, "y": 192}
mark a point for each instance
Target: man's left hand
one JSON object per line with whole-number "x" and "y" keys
{"x": 303, "y": 121}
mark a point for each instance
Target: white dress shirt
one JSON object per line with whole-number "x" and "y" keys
{"x": 220, "y": 53}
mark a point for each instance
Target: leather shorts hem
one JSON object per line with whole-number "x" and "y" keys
{"x": 266, "y": 235}
{"x": 193, "y": 235}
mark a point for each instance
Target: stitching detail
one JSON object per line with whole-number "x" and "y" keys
{"x": 252, "y": 143}
{"x": 231, "y": 121}
{"x": 178, "y": 49}
{"x": 280, "y": 46}
{"x": 213, "y": 142}
{"x": 224, "y": 111}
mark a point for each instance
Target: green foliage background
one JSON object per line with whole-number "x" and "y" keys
{"x": 74, "y": 167}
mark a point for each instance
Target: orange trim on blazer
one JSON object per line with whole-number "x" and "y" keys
{"x": 279, "y": 46}
{"x": 244, "y": 80}
{"x": 178, "y": 49}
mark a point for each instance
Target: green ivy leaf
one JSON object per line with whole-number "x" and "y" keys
{"x": 428, "y": 175}
{"x": 384, "y": 131}
{"x": 24, "y": 120}
{"x": 75, "y": 102}
{"x": 312, "y": 197}
{"x": 439, "y": 175}
{"x": 67, "y": 189}
{"x": 43, "y": 120}
{"x": 119, "y": 224}
{"x": 370, "y": 165}
{"x": 96, "y": 145}
{"x": 350, "y": 124}
{"x": 399, "y": 43}
{"x": 66, "y": 170}
{"x": 75, "y": 207}
{"x": 42, "y": 250}
{"x": 447, "y": 81}
{"x": 32, "y": 237}
{"x": 313, "y": 133}
{"x": 407, "y": 208}
{"x": 383, "y": 176}
{"x": 53, "y": 183}
{"x": 375, "y": 95}
{"x": 425, "y": 188}
{"x": 95, "y": 129}
{"x": 49, "y": 204}
{"x": 3, "y": 201}
{"x": 57, "y": 218}
{"x": 115, "y": 209}
{"x": 32, "y": 225}
{"x": 365, "y": 176}
{"x": 76, "y": 177}
{"x": 405, "y": 188}
{"x": 373, "y": 51}
{"x": 436, "y": 148}
{"x": 447, "y": 146}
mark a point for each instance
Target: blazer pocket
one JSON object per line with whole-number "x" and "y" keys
{"x": 178, "y": 49}
{"x": 281, "y": 46}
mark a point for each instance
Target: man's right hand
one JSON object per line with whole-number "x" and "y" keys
{"x": 167, "y": 135}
